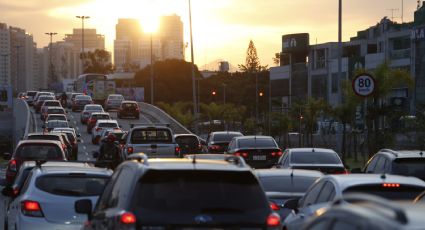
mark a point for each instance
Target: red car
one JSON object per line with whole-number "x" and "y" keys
{"x": 32, "y": 150}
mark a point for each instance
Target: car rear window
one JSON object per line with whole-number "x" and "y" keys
{"x": 140, "y": 136}
{"x": 163, "y": 194}
{"x": 187, "y": 140}
{"x": 52, "y": 103}
{"x": 225, "y": 137}
{"x": 94, "y": 107}
{"x": 116, "y": 97}
{"x": 297, "y": 184}
{"x": 129, "y": 105}
{"x": 62, "y": 118}
{"x": 57, "y": 124}
{"x": 31, "y": 93}
{"x": 315, "y": 158}
{"x": 410, "y": 167}
{"x": 257, "y": 143}
{"x": 101, "y": 117}
{"x": 402, "y": 192}
{"x": 57, "y": 111}
{"x": 44, "y": 137}
{"x": 72, "y": 185}
{"x": 108, "y": 125}
{"x": 81, "y": 97}
{"x": 39, "y": 152}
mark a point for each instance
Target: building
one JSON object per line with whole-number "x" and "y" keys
{"x": 92, "y": 40}
{"x": 5, "y": 78}
{"x": 171, "y": 37}
{"x": 126, "y": 44}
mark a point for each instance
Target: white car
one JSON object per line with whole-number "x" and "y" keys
{"x": 48, "y": 197}
{"x": 49, "y": 103}
{"x": 102, "y": 125}
{"x": 88, "y": 110}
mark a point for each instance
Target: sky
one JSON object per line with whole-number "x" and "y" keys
{"x": 222, "y": 29}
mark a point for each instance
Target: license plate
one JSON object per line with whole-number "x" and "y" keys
{"x": 259, "y": 158}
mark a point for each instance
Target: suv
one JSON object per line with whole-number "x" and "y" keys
{"x": 91, "y": 122}
{"x": 113, "y": 101}
{"x": 181, "y": 194}
{"x": 188, "y": 143}
{"x": 80, "y": 101}
{"x": 402, "y": 162}
{"x": 100, "y": 126}
{"x": 218, "y": 141}
{"x": 155, "y": 141}
{"x": 129, "y": 109}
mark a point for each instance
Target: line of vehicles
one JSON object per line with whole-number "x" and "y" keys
{"x": 161, "y": 180}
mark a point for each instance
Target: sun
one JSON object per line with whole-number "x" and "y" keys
{"x": 149, "y": 23}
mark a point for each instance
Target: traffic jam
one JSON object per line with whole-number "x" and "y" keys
{"x": 93, "y": 166}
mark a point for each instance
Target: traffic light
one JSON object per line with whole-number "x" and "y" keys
{"x": 213, "y": 93}
{"x": 261, "y": 94}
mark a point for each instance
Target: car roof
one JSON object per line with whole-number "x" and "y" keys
{"x": 346, "y": 181}
{"x": 23, "y": 142}
{"x": 253, "y": 137}
{"x": 311, "y": 150}
{"x": 100, "y": 113}
{"x": 71, "y": 168}
{"x": 56, "y": 114}
{"x": 402, "y": 153}
{"x": 56, "y": 121}
{"x": 51, "y": 101}
{"x": 54, "y": 107}
{"x": 107, "y": 121}
{"x": 185, "y": 135}
{"x": 225, "y": 132}
{"x": 128, "y": 102}
{"x": 41, "y": 133}
{"x": 116, "y": 94}
{"x": 288, "y": 172}
{"x": 64, "y": 128}
{"x": 92, "y": 105}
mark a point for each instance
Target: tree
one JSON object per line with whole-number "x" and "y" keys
{"x": 252, "y": 63}
{"x": 98, "y": 62}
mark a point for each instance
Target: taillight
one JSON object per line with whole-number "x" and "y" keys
{"x": 390, "y": 185}
{"x": 12, "y": 165}
{"x": 274, "y": 206}
{"x": 128, "y": 218}
{"x": 214, "y": 147}
{"x": 273, "y": 220}
{"x": 243, "y": 154}
{"x": 177, "y": 149}
{"x": 31, "y": 208}
{"x": 130, "y": 150}
{"x": 276, "y": 153}
{"x": 98, "y": 129}
{"x": 15, "y": 191}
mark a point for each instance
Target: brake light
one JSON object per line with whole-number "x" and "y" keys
{"x": 98, "y": 129}
{"x": 215, "y": 147}
{"x": 12, "y": 165}
{"x": 277, "y": 154}
{"x": 274, "y": 206}
{"x": 15, "y": 191}
{"x": 128, "y": 218}
{"x": 177, "y": 149}
{"x": 388, "y": 185}
{"x": 273, "y": 220}
{"x": 243, "y": 154}
{"x": 130, "y": 150}
{"x": 31, "y": 208}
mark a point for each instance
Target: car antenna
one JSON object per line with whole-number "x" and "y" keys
{"x": 421, "y": 153}
{"x": 383, "y": 176}
{"x": 313, "y": 150}
{"x": 194, "y": 159}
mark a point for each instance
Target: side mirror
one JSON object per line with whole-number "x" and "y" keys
{"x": 356, "y": 170}
{"x": 7, "y": 191}
{"x": 83, "y": 207}
{"x": 292, "y": 204}
{"x": 95, "y": 154}
{"x": 7, "y": 156}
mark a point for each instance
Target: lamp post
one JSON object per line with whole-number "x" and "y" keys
{"x": 193, "y": 71}
{"x": 51, "y": 70}
{"x": 151, "y": 73}
{"x": 339, "y": 48}
{"x": 82, "y": 17}
{"x": 4, "y": 68}
{"x": 17, "y": 66}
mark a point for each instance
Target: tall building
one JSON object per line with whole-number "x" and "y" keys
{"x": 171, "y": 37}
{"x": 4, "y": 55}
{"x": 126, "y": 44}
{"x": 92, "y": 40}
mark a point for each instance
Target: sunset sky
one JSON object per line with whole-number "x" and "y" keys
{"x": 221, "y": 28}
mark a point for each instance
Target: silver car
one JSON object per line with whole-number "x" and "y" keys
{"x": 48, "y": 196}
{"x": 113, "y": 101}
{"x": 88, "y": 110}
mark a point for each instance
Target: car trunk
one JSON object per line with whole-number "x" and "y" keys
{"x": 324, "y": 168}
{"x": 260, "y": 157}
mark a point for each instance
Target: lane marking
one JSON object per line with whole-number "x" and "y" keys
{"x": 84, "y": 147}
{"x": 82, "y": 141}
{"x": 87, "y": 153}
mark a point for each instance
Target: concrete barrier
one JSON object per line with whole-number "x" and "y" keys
{"x": 22, "y": 124}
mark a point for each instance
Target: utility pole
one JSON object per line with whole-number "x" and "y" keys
{"x": 52, "y": 76}
{"x": 151, "y": 73}
{"x": 82, "y": 39}
{"x": 193, "y": 71}
{"x": 339, "y": 49}
{"x": 392, "y": 13}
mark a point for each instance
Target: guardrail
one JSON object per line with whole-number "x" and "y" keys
{"x": 162, "y": 117}
{"x": 22, "y": 122}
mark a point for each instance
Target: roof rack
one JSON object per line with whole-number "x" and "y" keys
{"x": 389, "y": 151}
{"x": 149, "y": 124}
{"x": 378, "y": 202}
{"x": 236, "y": 160}
{"x": 139, "y": 157}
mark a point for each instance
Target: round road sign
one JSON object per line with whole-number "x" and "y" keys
{"x": 363, "y": 85}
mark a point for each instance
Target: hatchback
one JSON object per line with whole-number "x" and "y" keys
{"x": 129, "y": 109}
{"x": 91, "y": 122}
{"x": 88, "y": 110}
{"x": 218, "y": 141}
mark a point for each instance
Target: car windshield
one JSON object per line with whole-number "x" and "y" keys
{"x": 61, "y": 118}
{"x": 401, "y": 192}
{"x": 410, "y": 167}
{"x": 162, "y": 194}
{"x": 72, "y": 185}
{"x": 140, "y": 136}
{"x": 39, "y": 152}
{"x": 316, "y": 157}
{"x": 225, "y": 137}
{"x": 257, "y": 143}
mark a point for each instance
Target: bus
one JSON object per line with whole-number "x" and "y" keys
{"x": 95, "y": 85}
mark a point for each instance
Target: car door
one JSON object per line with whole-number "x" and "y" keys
{"x": 15, "y": 206}
{"x": 370, "y": 167}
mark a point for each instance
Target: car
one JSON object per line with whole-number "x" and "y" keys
{"x": 188, "y": 144}
{"x": 43, "y": 93}
{"x": 155, "y": 140}
{"x": 257, "y": 151}
{"x": 52, "y": 137}
{"x": 128, "y": 109}
{"x": 167, "y": 193}
{"x": 71, "y": 155}
{"x": 49, "y": 103}
{"x": 363, "y": 211}
{"x": 329, "y": 188}
{"x": 400, "y": 162}
{"x": 71, "y": 98}
{"x": 32, "y": 150}
{"x": 29, "y": 97}
{"x": 324, "y": 160}
{"x": 118, "y": 133}
{"x": 50, "y": 125}
{"x": 209, "y": 156}
{"x": 52, "y": 110}
{"x": 281, "y": 185}
{"x": 113, "y": 101}
{"x": 80, "y": 101}
{"x": 47, "y": 201}
{"x": 39, "y": 102}
{"x": 102, "y": 125}
{"x": 73, "y": 138}
{"x": 91, "y": 122}
{"x": 217, "y": 142}
{"x": 61, "y": 117}
{"x": 88, "y": 109}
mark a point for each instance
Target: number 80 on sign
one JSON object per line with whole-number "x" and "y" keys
{"x": 363, "y": 85}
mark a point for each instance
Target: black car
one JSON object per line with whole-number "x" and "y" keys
{"x": 188, "y": 144}
{"x": 401, "y": 162}
{"x": 217, "y": 142}
{"x": 181, "y": 194}
{"x": 129, "y": 109}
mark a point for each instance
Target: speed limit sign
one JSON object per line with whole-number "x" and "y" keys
{"x": 363, "y": 85}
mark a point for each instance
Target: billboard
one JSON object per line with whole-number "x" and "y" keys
{"x": 295, "y": 43}
{"x": 135, "y": 94}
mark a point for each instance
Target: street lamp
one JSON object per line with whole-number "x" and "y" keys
{"x": 51, "y": 70}
{"x": 193, "y": 70}
{"x": 82, "y": 37}
{"x": 151, "y": 73}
